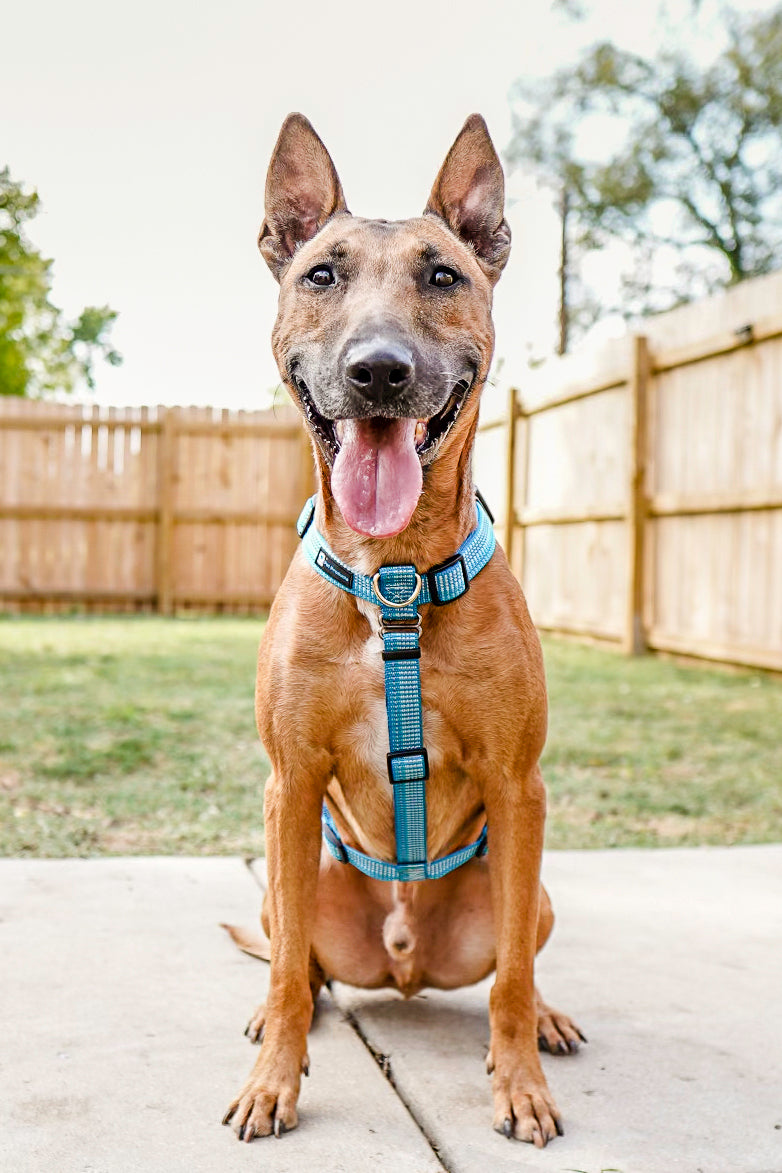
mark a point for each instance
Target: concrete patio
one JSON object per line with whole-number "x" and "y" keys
{"x": 122, "y": 1006}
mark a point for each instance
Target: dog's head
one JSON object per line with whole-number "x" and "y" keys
{"x": 384, "y": 331}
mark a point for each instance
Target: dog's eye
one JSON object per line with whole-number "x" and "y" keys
{"x": 442, "y": 278}
{"x": 321, "y": 275}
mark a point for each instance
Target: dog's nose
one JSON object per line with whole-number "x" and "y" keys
{"x": 380, "y": 371}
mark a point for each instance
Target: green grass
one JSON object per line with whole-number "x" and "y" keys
{"x": 647, "y": 752}
{"x": 137, "y": 735}
{"x": 129, "y": 736}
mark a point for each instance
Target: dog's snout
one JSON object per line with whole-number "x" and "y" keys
{"x": 380, "y": 370}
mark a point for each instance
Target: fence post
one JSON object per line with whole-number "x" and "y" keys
{"x": 510, "y": 474}
{"x": 635, "y": 635}
{"x": 523, "y": 496}
{"x": 165, "y": 526}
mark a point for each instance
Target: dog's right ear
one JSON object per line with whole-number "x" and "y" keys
{"x": 469, "y": 194}
{"x": 302, "y": 192}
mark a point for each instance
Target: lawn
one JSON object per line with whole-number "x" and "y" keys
{"x": 136, "y": 735}
{"x": 129, "y": 735}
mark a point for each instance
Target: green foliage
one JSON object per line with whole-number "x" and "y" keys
{"x": 680, "y": 163}
{"x": 40, "y": 352}
{"x": 572, "y": 9}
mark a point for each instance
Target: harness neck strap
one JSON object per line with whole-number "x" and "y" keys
{"x": 398, "y": 591}
{"x": 440, "y": 584}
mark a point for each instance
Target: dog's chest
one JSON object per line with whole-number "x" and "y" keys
{"x": 362, "y": 741}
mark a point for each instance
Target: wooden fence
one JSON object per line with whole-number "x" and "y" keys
{"x": 148, "y": 508}
{"x": 638, "y": 488}
{"x": 641, "y": 486}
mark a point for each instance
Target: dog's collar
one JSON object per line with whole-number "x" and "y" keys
{"x": 399, "y": 591}
{"x": 441, "y": 584}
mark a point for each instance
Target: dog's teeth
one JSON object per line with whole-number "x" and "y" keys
{"x": 339, "y": 428}
{"x": 420, "y": 433}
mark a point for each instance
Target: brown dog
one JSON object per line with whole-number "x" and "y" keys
{"x": 384, "y": 337}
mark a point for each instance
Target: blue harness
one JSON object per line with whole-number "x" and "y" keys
{"x": 399, "y": 591}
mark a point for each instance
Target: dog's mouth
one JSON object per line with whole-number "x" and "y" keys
{"x": 377, "y": 462}
{"x": 429, "y": 432}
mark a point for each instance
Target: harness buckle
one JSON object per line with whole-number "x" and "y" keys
{"x": 402, "y": 654}
{"x": 442, "y": 568}
{"x": 398, "y": 755}
{"x": 390, "y": 623}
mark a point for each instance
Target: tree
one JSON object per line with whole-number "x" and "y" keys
{"x": 675, "y": 165}
{"x": 40, "y": 352}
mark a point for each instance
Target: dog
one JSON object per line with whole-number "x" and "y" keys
{"x": 384, "y": 338}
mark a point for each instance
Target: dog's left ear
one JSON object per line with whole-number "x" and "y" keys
{"x": 469, "y": 194}
{"x": 302, "y": 192}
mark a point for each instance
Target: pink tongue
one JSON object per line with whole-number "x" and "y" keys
{"x": 377, "y": 475}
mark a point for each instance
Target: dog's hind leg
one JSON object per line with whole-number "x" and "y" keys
{"x": 257, "y": 1024}
{"x": 459, "y": 948}
{"x": 557, "y": 1033}
{"x": 257, "y": 944}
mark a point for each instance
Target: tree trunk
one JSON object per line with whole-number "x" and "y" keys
{"x": 564, "y": 308}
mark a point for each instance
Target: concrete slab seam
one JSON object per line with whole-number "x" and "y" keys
{"x": 384, "y": 1063}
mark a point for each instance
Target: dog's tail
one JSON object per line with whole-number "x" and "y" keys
{"x": 251, "y": 941}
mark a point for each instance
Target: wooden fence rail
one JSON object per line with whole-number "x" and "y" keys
{"x": 643, "y": 484}
{"x": 147, "y": 508}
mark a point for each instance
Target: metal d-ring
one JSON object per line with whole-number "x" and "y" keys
{"x": 387, "y": 602}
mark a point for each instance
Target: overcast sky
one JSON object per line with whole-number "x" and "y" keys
{"x": 147, "y": 129}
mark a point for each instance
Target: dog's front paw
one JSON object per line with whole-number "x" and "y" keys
{"x": 267, "y": 1102}
{"x": 524, "y": 1108}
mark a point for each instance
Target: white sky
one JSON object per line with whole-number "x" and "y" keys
{"x": 147, "y": 129}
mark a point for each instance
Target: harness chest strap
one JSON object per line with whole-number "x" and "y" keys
{"x": 399, "y": 591}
